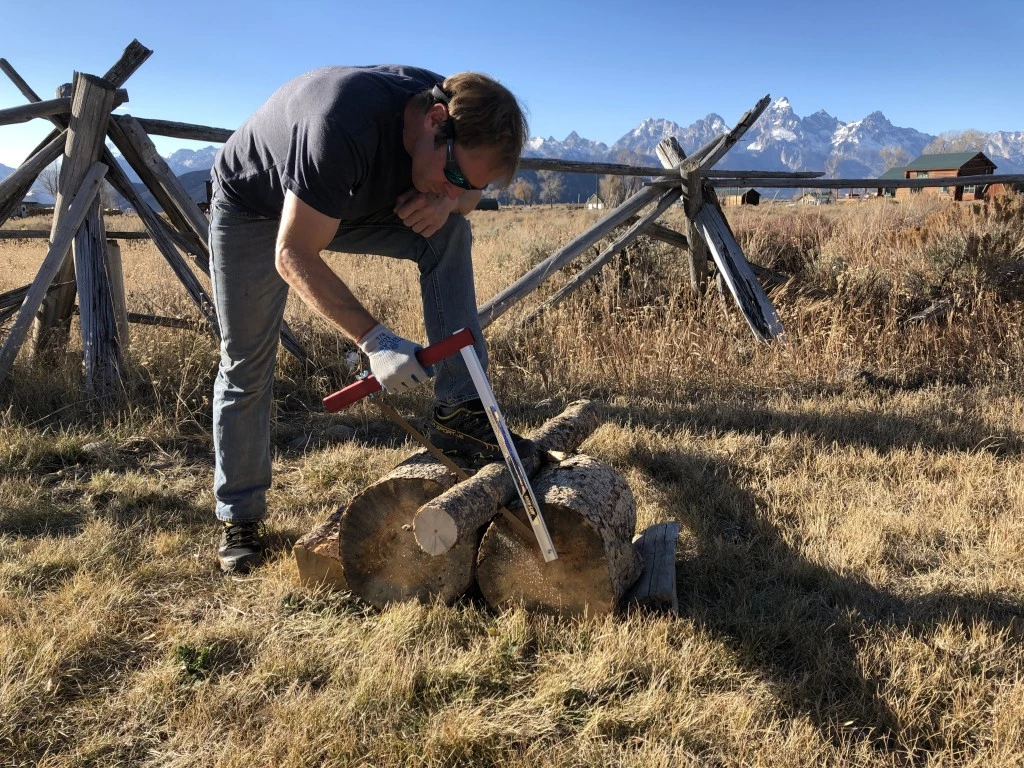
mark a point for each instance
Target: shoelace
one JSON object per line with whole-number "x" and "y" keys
{"x": 242, "y": 534}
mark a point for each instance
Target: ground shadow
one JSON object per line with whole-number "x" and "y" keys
{"x": 803, "y": 626}
{"x": 932, "y": 429}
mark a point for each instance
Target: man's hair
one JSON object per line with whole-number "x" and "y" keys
{"x": 484, "y": 113}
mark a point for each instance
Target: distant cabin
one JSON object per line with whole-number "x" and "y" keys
{"x": 29, "y": 208}
{"x": 740, "y": 197}
{"x": 815, "y": 198}
{"x": 595, "y": 202}
{"x": 946, "y": 164}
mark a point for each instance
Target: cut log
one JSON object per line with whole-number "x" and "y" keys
{"x": 379, "y": 556}
{"x": 591, "y": 514}
{"x": 316, "y": 555}
{"x": 459, "y": 513}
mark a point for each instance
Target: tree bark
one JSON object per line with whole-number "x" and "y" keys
{"x": 379, "y": 555}
{"x": 591, "y": 515}
{"x": 459, "y": 513}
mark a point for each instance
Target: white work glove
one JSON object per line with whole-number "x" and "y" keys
{"x": 393, "y": 359}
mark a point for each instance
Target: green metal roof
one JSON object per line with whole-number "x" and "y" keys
{"x": 943, "y": 161}
{"x": 894, "y": 173}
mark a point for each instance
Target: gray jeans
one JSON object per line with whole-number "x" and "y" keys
{"x": 250, "y": 295}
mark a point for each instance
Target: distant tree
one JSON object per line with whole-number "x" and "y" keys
{"x": 614, "y": 189}
{"x": 552, "y": 186}
{"x": 522, "y": 190}
{"x": 892, "y": 156}
{"x": 957, "y": 141}
{"x": 49, "y": 179}
{"x": 611, "y": 190}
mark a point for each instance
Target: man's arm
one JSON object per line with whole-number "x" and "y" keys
{"x": 426, "y": 214}
{"x": 305, "y": 232}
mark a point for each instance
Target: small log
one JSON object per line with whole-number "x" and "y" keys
{"x": 656, "y": 587}
{"x": 317, "y": 555}
{"x": 591, "y": 514}
{"x": 458, "y": 514}
{"x": 379, "y": 556}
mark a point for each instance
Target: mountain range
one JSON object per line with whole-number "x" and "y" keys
{"x": 780, "y": 140}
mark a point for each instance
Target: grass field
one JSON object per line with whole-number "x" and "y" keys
{"x": 852, "y": 507}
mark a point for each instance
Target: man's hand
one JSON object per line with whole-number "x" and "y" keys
{"x": 393, "y": 359}
{"x": 423, "y": 214}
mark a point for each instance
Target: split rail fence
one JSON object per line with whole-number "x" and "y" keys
{"x": 83, "y": 257}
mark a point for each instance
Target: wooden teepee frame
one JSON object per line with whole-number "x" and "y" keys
{"x": 82, "y": 120}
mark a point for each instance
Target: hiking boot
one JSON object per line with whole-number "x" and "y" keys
{"x": 241, "y": 546}
{"x": 463, "y": 430}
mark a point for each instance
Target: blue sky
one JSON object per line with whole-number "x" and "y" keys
{"x": 593, "y": 67}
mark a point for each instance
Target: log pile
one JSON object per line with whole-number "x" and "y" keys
{"x": 386, "y": 546}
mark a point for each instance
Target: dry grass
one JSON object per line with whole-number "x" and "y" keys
{"x": 852, "y": 505}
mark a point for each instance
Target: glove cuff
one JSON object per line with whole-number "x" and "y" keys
{"x": 369, "y": 342}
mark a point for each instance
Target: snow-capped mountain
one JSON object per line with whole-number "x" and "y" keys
{"x": 781, "y": 140}
{"x": 574, "y": 147}
{"x": 188, "y": 160}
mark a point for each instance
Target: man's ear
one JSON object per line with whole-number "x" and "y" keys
{"x": 436, "y": 116}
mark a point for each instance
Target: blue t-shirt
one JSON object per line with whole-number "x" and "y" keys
{"x": 333, "y": 137}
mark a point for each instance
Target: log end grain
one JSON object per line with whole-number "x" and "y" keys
{"x": 380, "y": 557}
{"x": 435, "y": 530}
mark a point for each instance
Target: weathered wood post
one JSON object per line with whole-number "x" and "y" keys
{"x": 92, "y": 100}
{"x": 14, "y": 188}
{"x": 115, "y": 271}
{"x": 49, "y": 330}
{"x": 671, "y": 155}
{"x": 69, "y": 219}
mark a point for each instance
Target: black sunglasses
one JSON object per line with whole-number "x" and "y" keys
{"x": 452, "y": 172}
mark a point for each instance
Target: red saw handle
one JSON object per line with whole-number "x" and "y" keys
{"x": 427, "y": 356}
